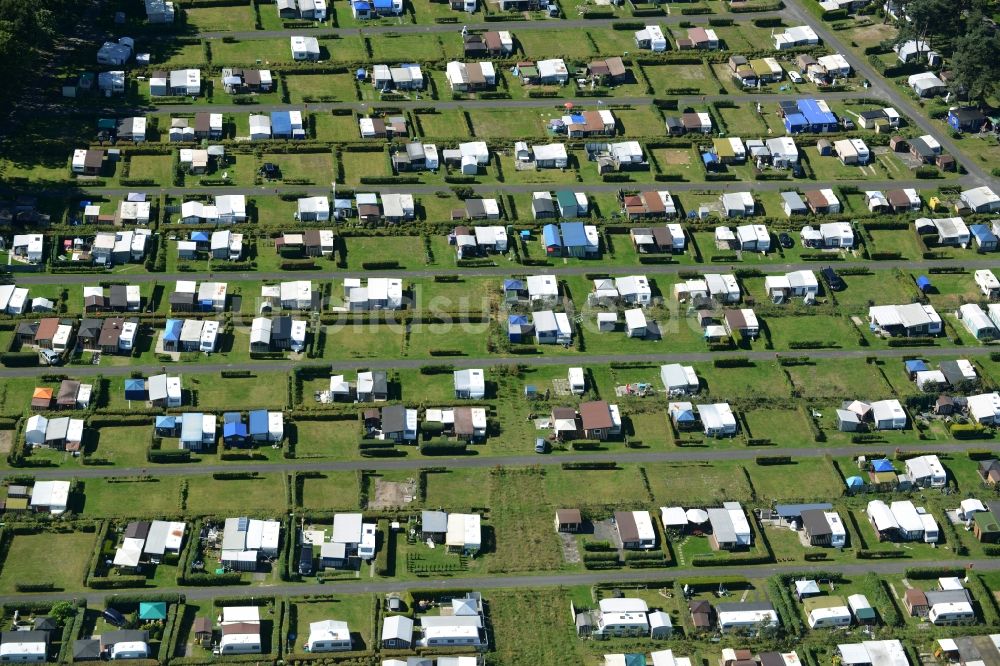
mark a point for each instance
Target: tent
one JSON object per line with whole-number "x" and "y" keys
{"x": 152, "y": 610}
{"x": 135, "y": 389}
{"x": 924, "y": 283}
{"x": 855, "y": 482}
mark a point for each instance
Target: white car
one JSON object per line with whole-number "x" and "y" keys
{"x": 795, "y": 77}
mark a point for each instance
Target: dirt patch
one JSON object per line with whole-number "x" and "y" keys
{"x": 6, "y": 440}
{"x": 870, "y": 35}
{"x": 390, "y": 494}
{"x": 677, "y": 156}
{"x": 570, "y": 551}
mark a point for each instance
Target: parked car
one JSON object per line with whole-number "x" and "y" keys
{"x": 50, "y": 357}
{"x": 114, "y": 617}
{"x": 270, "y": 171}
{"x": 795, "y": 77}
{"x": 785, "y": 240}
{"x": 835, "y": 281}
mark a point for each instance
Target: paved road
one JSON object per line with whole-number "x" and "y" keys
{"x": 441, "y": 105}
{"x": 528, "y": 360}
{"x": 528, "y": 581}
{"x": 518, "y": 26}
{"x": 887, "y": 90}
{"x": 506, "y": 188}
{"x": 695, "y": 454}
{"x": 516, "y": 269}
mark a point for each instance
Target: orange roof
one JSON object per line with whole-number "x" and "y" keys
{"x": 42, "y": 392}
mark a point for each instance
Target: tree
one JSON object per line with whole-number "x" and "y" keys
{"x": 62, "y": 611}
{"x": 931, "y": 21}
{"x": 976, "y": 61}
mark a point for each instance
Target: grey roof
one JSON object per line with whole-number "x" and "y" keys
{"x": 87, "y": 648}
{"x": 815, "y": 522}
{"x": 722, "y": 525}
{"x": 434, "y": 521}
{"x": 947, "y": 596}
{"x": 393, "y": 418}
{"x": 795, "y": 510}
{"x": 736, "y": 606}
{"x": 24, "y": 637}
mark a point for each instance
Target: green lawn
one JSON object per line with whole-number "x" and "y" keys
{"x": 125, "y": 447}
{"x": 308, "y": 168}
{"x": 845, "y": 378}
{"x": 103, "y": 498}
{"x": 664, "y": 77}
{"x": 158, "y": 168}
{"x": 580, "y": 487}
{"x": 363, "y": 164}
{"x": 805, "y": 479}
{"x": 680, "y": 483}
{"x": 522, "y": 523}
{"x": 330, "y": 491}
{"x": 303, "y": 87}
{"x": 356, "y": 610}
{"x": 763, "y": 379}
{"x": 57, "y": 558}
{"x": 392, "y": 48}
{"x": 326, "y": 439}
{"x": 217, "y": 19}
{"x": 507, "y": 122}
{"x": 260, "y": 391}
{"x": 210, "y": 496}
{"x": 541, "y": 44}
{"x": 457, "y": 489}
{"x": 542, "y": 636}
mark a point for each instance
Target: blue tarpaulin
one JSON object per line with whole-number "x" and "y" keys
{"x": 513, "y": 285}
{"x": 817, "y": 119}
{"x": 883, "y": 465}
{"x": 200, "y": 236}
{"x": 916, "y": 365}
{"x": 795, "y": 122}
{"x": 232, "y": 417}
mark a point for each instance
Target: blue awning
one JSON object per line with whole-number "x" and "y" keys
{"x": 550, "y": 236}
{"x": 517, "y": 320}
{"x": 281, "y": 122}
{"x": 916, "y": 365}
{"x": 232, "y": 417}
{"x": 383, "y": 4}
{"x": 573, "y": 234}
{"x": 709, "y": 158}
{"x": 234, "y": 430}
{"x": 166, "y": 422}
{"x": 200, "y": 236}
{"x": 513, "y": 285}
{"x": 982, "y": 233}
{"x": 258, "y": 422}
{"x": 172, "y": 330}
{"x": 134, "y": 386}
